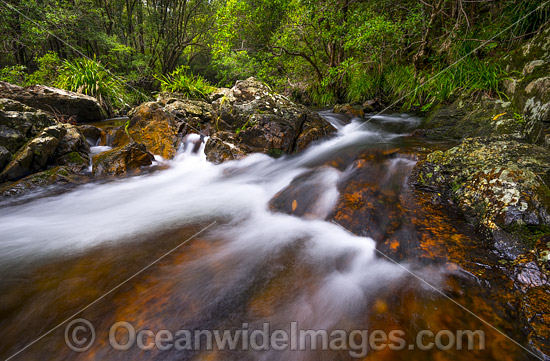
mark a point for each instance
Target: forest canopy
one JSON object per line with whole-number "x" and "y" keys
{"x": 319, "y": 52}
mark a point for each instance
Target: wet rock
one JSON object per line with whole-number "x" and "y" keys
{"x": 317, "y": 128}
{"x": 221, "y": 148}
{"x": 535, "y": 309}
{"x": 499, "y": 184}
{"x": 57, "y": 145}
{"x": 153, "y": 126}
{"x": 51, "y": 177}
{"x": 94, "y": 135}
{"x": 73, "y": 149}
{"x": 473, "y": 116}
{"x": 19, "y": 123}
{"x": 63, "y": 103}
{"x": 263, "y": 121}
{"x": 5, "y": 157}
{"x": 123, "y": 160}
{"x": 349, "y": 110}
{"x": 373, "y": 105}
{"x": 33, "y": 156}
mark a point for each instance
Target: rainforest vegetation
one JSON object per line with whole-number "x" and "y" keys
{"x": 318, "y": 52}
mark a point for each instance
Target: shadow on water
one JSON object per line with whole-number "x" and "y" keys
{"x": 333, "y": 238}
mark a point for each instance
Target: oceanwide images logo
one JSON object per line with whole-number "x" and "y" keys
{"x": 80, "y": 335}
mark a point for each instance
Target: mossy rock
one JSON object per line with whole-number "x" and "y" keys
{"x": 472, "y": 115}
{"x": 499, "y": 184}
{"x": 51, "y": 177}
{"x": 127, "y": 160}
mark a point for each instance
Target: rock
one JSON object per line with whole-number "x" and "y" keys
{"x": 473, "y": 116}
{"x": 221, "y": 148}
{"x": 5, "y": 157}
{"x": 218, "y": 93}
{"x": 60, "y": 144}
{"x": 535, "y": 309}
{"x": 191, "y": 115}
{"x": 62, "y": 103}
{"x": 73, "y": 150}
{"x": 349, "y": 110}
{"x": 55, "y": 176}
{"x": 530, "y": 93}
{"x": 500, "y": 185}
{"x": 153, "y": 126}
{"x": 19, "y": 123}
{"x": 317, "y": 128}
{"x": 261, "y": 121}
{"x": 33, "y": 156}
{"x": 123, "y": 160}
{"x": 373, "y": 105}
{"x": 93, "y": 134}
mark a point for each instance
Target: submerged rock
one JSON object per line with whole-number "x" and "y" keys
{"x": 62, "y": 103}
{"x": 123, "y": 160}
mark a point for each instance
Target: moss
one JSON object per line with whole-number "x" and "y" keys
{"x": 275, "y": 153}
{"x": 529, "y": 234}
{"x": 75, "y": 157}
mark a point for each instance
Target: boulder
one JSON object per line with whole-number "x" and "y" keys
{"x": 62, "y": 103}
{"x": 262, "y": 121}
{"x": 94, "y": 135}
{"x": 528, "y": 86}
{"x": 122, "y": 161}
{"x": 154, "y": 127}
{"x": 57, "y": 145}
{"x": 54, "y": 176}
{"x": 349, "y": 110}
{"x": 19, "y": 123}
{"x": 473, "y": 116}
{"x": 499, "y": 184}
{"x": 221, "y": 148}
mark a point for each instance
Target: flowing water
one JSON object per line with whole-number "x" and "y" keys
{"x": 331, "y": 239}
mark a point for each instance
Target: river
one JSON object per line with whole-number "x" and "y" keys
{"x": 333, "y": 238}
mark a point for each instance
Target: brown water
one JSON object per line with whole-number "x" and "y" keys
{"x": 279, "y": 252}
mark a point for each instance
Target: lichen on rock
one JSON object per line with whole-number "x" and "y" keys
{"x": 498, "y": 184}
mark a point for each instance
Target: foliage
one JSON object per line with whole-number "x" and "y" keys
{"x": 183, "y": 82}
{"x": 48, "y": 69}
{"x": 89, "y": 77}
{"x": 336, "y": 51}
{"x": 14, "y": 74}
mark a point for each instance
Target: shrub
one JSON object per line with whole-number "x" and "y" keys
{"x": 182, "y": 81}
{"x": 89, "y": 77}
{"x": 14, "y": 74}
{"x": 48, "y": 70}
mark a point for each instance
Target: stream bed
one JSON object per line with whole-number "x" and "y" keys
{"x": 331, "y": 239}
